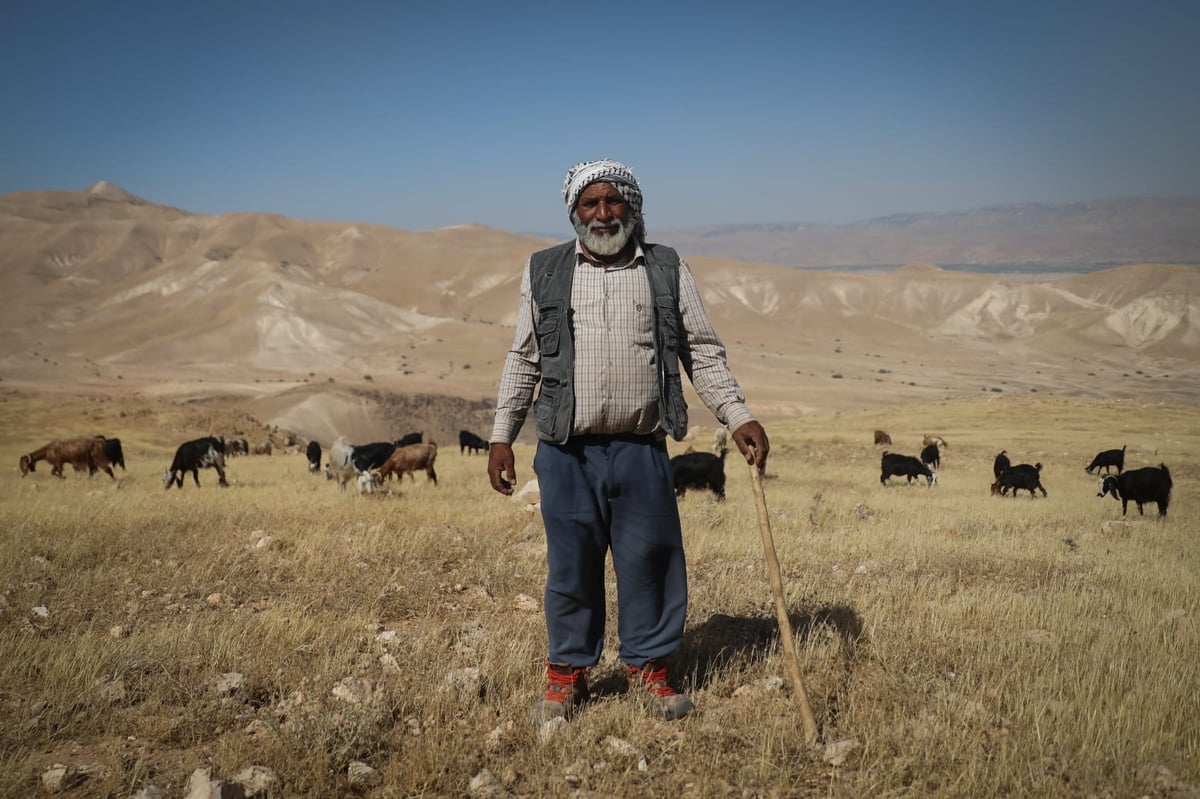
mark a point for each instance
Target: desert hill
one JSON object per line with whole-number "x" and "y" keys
{"x": 1112, "y": 231}
{"x": 305, "y": 322}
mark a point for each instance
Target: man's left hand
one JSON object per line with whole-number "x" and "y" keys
{"x": 751, "y": 439}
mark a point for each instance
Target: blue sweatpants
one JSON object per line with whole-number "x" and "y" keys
{"x": 611, "y": 492}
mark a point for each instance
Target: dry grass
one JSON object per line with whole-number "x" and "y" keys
{"x": 973, "y": 645}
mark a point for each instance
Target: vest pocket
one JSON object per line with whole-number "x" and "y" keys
{"x": 549, "y": 328}
{"x": 668, "y": 322}
{"x": 548, "y": 402}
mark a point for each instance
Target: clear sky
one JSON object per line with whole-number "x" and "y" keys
{"x": 434, "y": 113}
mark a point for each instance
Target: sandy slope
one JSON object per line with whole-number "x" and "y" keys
{"x": 109, "y": 293}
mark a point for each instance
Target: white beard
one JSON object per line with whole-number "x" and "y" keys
{"x": 603, "y": 244}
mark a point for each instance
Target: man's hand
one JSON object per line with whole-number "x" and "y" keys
{"x": 751, "y": 439}
{"x": 502, "y": 468}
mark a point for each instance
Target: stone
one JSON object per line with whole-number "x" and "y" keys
{"x": 837, "y": 752}
{"x": 485, "y": 785}
{"x": 359, "y": 773}
{"x": 256, "y": 780}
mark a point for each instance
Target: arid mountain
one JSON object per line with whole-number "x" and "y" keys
{"x": 303, "y": 320}
{"x": 1142, "y": 230}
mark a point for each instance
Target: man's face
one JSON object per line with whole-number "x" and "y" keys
{"x": 602, "y": 219}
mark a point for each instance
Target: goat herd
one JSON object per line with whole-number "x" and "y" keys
{"x": 370, "y": 464}
{"x": 1140, "y": 486}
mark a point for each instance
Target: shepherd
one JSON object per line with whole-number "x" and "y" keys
{"x": 605, "y": 322}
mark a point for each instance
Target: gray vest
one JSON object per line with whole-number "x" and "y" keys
{"x": 551, "y": 273}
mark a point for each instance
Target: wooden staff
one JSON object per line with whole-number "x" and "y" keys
{"x": 785, "y": 626}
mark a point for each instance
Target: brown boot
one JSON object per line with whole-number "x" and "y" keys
{"x": 566, "y": 689}
{"x": 649, "y": 684}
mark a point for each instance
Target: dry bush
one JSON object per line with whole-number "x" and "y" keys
{"x": 973, "y": 645}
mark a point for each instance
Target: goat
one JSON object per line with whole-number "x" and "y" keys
{"x": 1021, "y": 476}
{"x": 469, "y": 441}
{"x": 720, "y": 440}
{"x": 192, "y": 456}
{"x": 931, "y": 457}
{"x": 1148, "y": 484}
{"x": 409, "y": 439}
{"x": 699, "y": 470}
{"x": 1106, "y": 460}
{"x": 893, "y": 464}
{"x": 341, "y": 463}
{"x": 881, "y": 437}
{"x": 86, "y": 452}
{"x": 407, "y": 460}
{"x": 934, "y": 439}
{"x": 1001, "y": 463}
{"x": 113, "y": 452}
{"x": 313, "y": 454}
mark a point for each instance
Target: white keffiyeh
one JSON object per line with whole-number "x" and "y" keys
{"x": 582, "y": 175}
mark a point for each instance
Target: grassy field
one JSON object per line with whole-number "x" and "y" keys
{"x": 970, "y": 645}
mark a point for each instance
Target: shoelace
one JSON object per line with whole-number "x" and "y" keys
{"x": 561, "y": 683}
{"x": 655, "y": 680}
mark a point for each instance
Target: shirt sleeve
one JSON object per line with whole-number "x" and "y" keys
{"x": 708, "y": 365}
{"x": 522, "y": 372}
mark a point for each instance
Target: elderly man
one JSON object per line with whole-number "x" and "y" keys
{"x": 604, "y": 323}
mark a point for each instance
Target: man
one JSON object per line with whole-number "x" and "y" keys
{"x": 603, "y": 325}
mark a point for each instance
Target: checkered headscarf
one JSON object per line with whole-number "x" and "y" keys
{"x": 584, "y": 174}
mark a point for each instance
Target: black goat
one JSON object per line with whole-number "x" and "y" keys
{"x": 1021, "y": 476}
{"x": 892, "y": 464}
{"x": 313, "y": 454}
{"x": 699, "y": 470}
{"x": 1001, "y": 463}
{"x": 931, "y": 457}
{"x": 1149, "y": 484}
{"x": 1106, "y": 460}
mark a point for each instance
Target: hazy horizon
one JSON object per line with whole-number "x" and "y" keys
{"x": 441, "y": 115}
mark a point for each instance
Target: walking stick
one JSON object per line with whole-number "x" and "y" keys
{"x": 785, "y": 626}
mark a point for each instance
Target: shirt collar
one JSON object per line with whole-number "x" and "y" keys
{"x": 639, "y": 257}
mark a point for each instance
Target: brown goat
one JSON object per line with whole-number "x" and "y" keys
{"x": 881, "y": 437}
{"x": 407, "y": 460}
{"x": 83, "y": 453}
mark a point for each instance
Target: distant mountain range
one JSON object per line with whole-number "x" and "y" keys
{"x": 1083, "y": 234}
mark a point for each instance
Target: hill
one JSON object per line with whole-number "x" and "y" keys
{"x": 1033, "y": 235}
{"x": 300, "y": 320}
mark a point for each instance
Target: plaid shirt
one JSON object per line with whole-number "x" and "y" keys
{"x": 616, "y": 389}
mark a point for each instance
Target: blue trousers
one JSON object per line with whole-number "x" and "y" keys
{"x": 602, "y": 493}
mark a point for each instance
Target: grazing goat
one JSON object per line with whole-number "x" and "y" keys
{"x": 881, "y": 437}
{"x": 1001, "y": 463}
{"x": 341, "y": 463}
{"x": 1148, "y": 484}
{"x": 407, "y": 460}
{"x": 86, "y": 452}
{"x": 907, "y": 466}
{"x": 1021, "y": 476}
{"x": 313, "y": 454}
{"x": 192, "y": 456}
{"x": 410, "y": 439}
{"x": 934, "y": 439}
{"x": 699, "y": 470}
{"x": 367, "y": 457}
{"x": 469, "y": 441}
{"x": 720, "y": 440}
{"x": 1106, "y": 460}
{"x": 931, "y": 457}
{"x": 366, "y": 482}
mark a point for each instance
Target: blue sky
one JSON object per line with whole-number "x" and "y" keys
{"x": 423, "y": 115}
